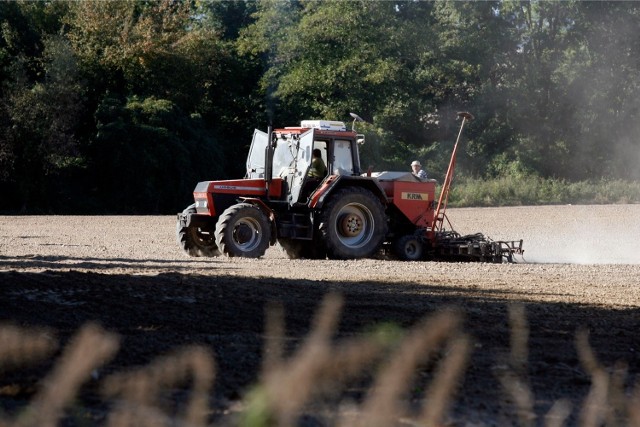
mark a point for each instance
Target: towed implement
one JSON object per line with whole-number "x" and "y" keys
{"x": 346, "y": 214}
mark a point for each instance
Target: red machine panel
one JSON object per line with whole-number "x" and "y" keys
{"x": 414, "y": 199}
{"x": 246, "y": 187}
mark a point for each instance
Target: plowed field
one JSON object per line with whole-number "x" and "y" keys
{"x": 580, "y": 272}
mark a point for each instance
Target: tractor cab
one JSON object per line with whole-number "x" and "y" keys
{"x": 287, "y": 156}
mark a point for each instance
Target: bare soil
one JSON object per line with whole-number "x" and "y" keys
{"x": 581, "y": 270}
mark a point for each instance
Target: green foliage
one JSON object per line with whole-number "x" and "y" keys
{"x": 149, "y": 154}
{"x": 85, "y": 86}
{"x": 516, "y": 189}
{"x": 39, "y": 141}
{"x": 142, "y": 47}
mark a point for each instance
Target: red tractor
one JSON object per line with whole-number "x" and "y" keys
{"x": 347, "y": 214}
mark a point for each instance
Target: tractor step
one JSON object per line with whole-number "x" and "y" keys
{"x": 295, "y": 226}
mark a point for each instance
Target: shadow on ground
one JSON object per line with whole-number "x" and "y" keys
{"x": 157, "y": 313}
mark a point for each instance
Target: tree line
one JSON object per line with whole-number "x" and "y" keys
{"x": 123, "y": 106}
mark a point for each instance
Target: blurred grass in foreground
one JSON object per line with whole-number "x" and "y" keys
{"x": 531, "y": 190}
{"x": 311, "y": 381}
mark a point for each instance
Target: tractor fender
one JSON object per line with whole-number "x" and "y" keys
{"x": 337, "y": 182}
{"x": 268, "y": 212}
{"x": 192, "y": 219}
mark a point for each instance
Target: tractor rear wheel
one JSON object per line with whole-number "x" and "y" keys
{"x": 196, "y": 241}
{"x": 243, "y": 230}
{"x": 408, "y": 248}
{"x": 353, "y": 224}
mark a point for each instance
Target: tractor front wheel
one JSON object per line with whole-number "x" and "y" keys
{"x": 408, "y": 248}
{"x": 243, "y": 230}
{"x": 196, "y": 241}
{"x": 353, "y": 224}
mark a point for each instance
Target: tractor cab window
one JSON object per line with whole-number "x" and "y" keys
{"x": 342, "y": 158}
{"x": 283, "y": 157}
{"x": 322, "y": 146}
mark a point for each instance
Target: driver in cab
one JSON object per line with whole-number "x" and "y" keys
{"x": 318, "y": 169}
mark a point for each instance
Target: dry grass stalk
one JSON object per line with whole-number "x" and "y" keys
{"x": 288, "y": 385}
{"x": 606, "y": 402}
{"x": 444, "y": 384}
{"x": 140, "y": 390}
{"x": 19, "y": 346}
{"x": 633, "y": 407}
{"x": 519, "y": 327}
{"x": 295, "y": 383}
{"x": 515, "y": 379}
{"x": 274, "y": 337}
{"x": 617, "y": 413}
{"x": 383, "y": 403}
{"x": 349, "y": 359}
{"x": 558, "y": 414}
{"x": 520, "y": 392}
{"x": 325, "y": 323}
{"x": 595, "y": 408}
{"x": 90, "y": 348}
{"x": 317, "y": 367}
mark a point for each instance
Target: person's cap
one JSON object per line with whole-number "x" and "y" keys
{"x": 415, "y": 163}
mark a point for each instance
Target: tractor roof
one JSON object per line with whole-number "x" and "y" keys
{"x": 320, "y": 132}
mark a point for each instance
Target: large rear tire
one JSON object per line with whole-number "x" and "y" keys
{"x": 196, "y": 241}
{"x": 243, "y": 230}
{"x": 353, "y": 224}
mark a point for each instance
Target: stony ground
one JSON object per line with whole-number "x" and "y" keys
{"x": 580, "y": 271}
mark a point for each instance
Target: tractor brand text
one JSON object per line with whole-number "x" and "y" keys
{"x": 415, "y": 196}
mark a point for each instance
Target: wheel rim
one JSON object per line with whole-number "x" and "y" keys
{"x": 411, "y": 248}
{"x": 202, "y": 238}
{"x": 246, "y": 234}
{"x": 355, "y": 225}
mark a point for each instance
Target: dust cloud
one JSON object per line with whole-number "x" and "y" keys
{"x": 573, "y": 234}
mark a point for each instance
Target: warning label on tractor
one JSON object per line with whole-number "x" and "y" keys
{"x": 415, "y": 196}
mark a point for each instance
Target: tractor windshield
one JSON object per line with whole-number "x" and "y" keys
{"x": 255, "y": 160}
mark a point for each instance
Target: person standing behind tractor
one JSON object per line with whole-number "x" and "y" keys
{"x": 318, "y": 169}
{"x": 417, "y": 170}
